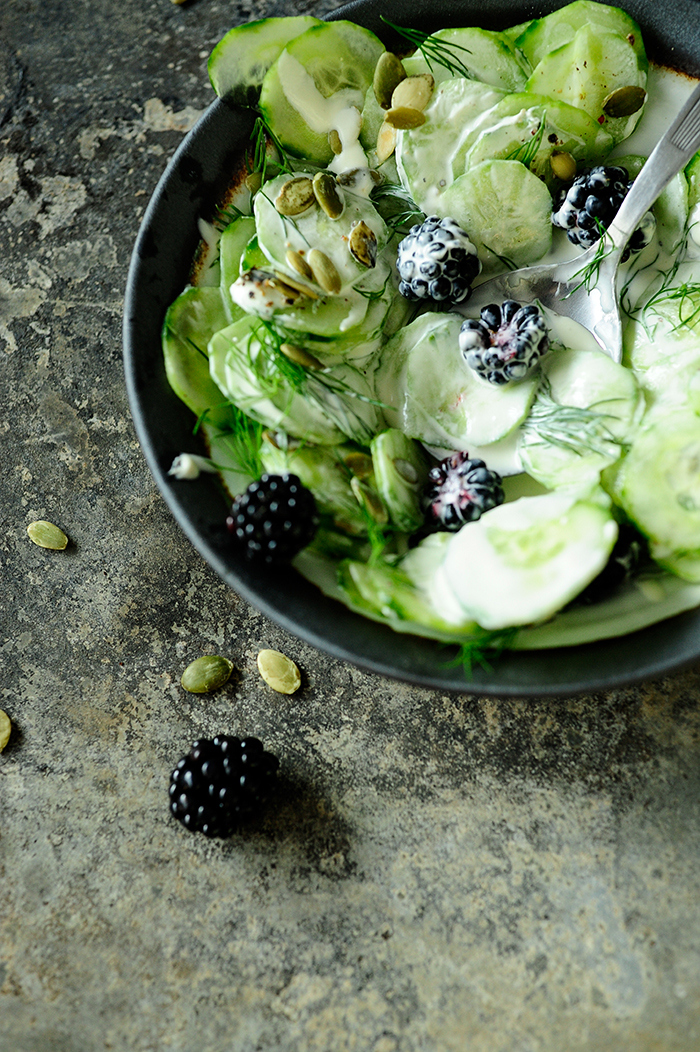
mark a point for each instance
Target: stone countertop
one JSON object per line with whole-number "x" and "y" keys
{"x": 442, "y": 872}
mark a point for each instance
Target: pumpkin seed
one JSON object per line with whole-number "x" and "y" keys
{"x": 360, "y": 464}
{"x": 386, "y": 142}
{"x": 5, "y": 729}
{"x": 335, "y": 142}
{"x": 207, "y": 673}
{"x": 623, "y": 102}
{"x": 326, "y": 191}
{"x": 279, "y": 671}
{"x": 563, "y": 166}
{"x": 253, "y": 182}
{"x": 388, "y": 73}
{"x": 297, "y": 262}
{"x": 293, "y": 288}
{"x": 369, "y": 500}
{"x": 296, "y": 196}
{"x": 46, "y": 535}
{"x": 414, "y": 92}
{"x": 300, "y": 356}
{"x": 324, "y": 271}
{"x": 362, "y": 243}
{"x": 405, "y": 117}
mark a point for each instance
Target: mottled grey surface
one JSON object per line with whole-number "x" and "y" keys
{"x": 442, "y": 873}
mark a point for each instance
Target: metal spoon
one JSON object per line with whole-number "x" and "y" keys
{"x": 562, "y": 286}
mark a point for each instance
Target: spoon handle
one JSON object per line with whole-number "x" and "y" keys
{"x": 671, "y": 153}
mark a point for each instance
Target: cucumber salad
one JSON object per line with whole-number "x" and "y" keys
{"x": 485, "y": 476}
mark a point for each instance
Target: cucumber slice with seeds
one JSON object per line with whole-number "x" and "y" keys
{"x": 505, "y": 209}
{"x": 240, "y": 60}
{"x": 546, "y": 34}
{"x": 190, "y": 323}
{"x": 487, "y": 55}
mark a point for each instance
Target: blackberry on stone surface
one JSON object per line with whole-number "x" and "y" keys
{"x": 437, "y": 261}
{"x": 461, "y": 490}
{"x": 274, "y": 518}
{"x": 221, "y": 784}
{"x": 590, "y": 203}
{"x": 504, "y": 343}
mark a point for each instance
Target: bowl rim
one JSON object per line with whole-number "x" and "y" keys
{"x": 192, "y": 181}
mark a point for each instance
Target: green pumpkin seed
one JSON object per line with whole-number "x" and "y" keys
{"x": 362, "y": 243}
{"x": 414, "y": 92}
{"x": 297, "y": 262}
{"x": 296, "y": 196}
{"x": 623, "y": 102}
{"x": 324, "y": 271}
{"x": 370, "y": 500}
{"x": 388, "y": 73}
{"x": 46, "y": 535}
{"x": 386, "y": 142}
{"x": 300, "y": 355}
{"x": 563, "y": 166}
{"x": 326, "y": 192}
{"x": 357, "y": 176}
{"x": 360, "y": 464}
{"x": 292, "y": 288}
{"x": 207, "y": 673}
{"x": 405, "y": 117}
{"x": 279, "y": 671}
{"x": 335, "y": 142}
{"x": 5, "y": 729}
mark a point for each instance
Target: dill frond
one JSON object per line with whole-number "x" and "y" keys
{"x": 574, "y": 428}
{"x": 442, "y": 52}
{"x": 481, "y": 650}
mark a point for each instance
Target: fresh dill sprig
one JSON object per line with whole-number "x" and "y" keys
{"x": 527, "y": 152}
{"x": 374, "y": 294}
{"x": 243, "y": 436}
{"x": 262, "y": 137}
{"x": 407, "y": 211}
{"x": 286, "y": 219}
{"x": 225, "y": 216}
{"x": 481, "y": 650}
{"x": 442, "y": 52}
{"x": 684, "y": 293}
{"x": 508, "y": 263}
{"x": 577, "y": 429}
{"x": 589, "y": 274}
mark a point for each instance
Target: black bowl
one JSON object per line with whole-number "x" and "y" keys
{"x": 194, "y": 181}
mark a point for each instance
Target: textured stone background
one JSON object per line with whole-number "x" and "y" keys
{"x": 444, "y": 872}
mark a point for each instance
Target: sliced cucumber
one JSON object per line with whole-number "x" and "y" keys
{"x": 430, "y": 158}
{"x": 530, "y": 128}
{"x": 658, "y": 485}
{"x": 505, "y": 209}
{"x": 430, "y": 393}
{"x": 233, "y": 244}
{"x": 401, "y": 475}
{"x": 190, "y": 323}
{"x": 559, "y": 447}
{"x": 546, "y": 34}
{"x": 521, "y": 562}
{"x": 241, "y": 59}
{"x": 313, "y": 229}
{"x": 320, "y": 74}
{"x": 488, "y": 56}
{"x": 589, "y": 68}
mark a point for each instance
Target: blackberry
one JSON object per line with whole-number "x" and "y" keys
{"x": 274, "y": 518}
{"x": 629, "y": 554}
{"x": 221, "y": 784}
{"x": 461, "y": 490}
{"x": 437, "y": 261}
{"x": 504, "y": 343}
{"x": 591, "y": 202}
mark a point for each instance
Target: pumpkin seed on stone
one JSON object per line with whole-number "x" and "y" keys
{"x": 296, "y": 196}
{"x": 326, "y": 192}
{"x": 324, "y": 271}
{"x": 297, "y": 262}
{"x": 388, "y": 72}
{"x": 207, "y": 673}
{"x": 413, "y": 92}
{"x": 5, "y": 729}
{"x": 386, "y": 142}
{"x": 335, "y": 142}
{"x": 405, "y": 117}
{"x": 279, "y": 671}
{"x": 300, "y": 355}
{"x": 46, "y": 535}
{"x": 623, "y": 102}
{"x": 563, "y": 166}
{"x": 362, "y": 243}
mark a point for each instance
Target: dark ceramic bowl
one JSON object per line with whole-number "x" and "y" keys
{"x": 192, "y": 184}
